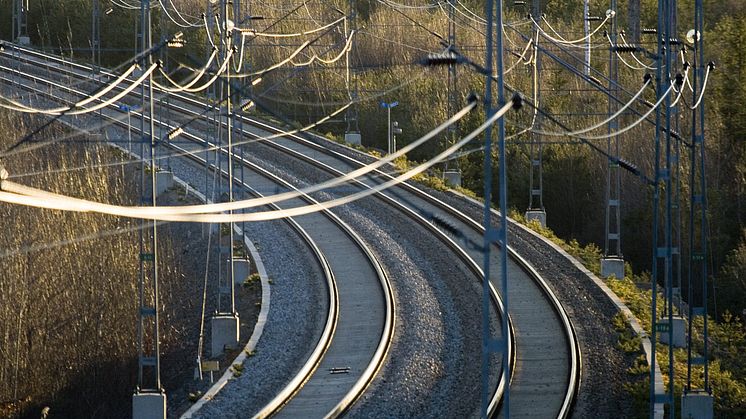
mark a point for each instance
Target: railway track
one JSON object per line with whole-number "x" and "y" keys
{"x": 546, "y": 348}
{"x": 359, "y": 325}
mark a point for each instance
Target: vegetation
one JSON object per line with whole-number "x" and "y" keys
{"x": 68, "y": 297}
{"x": 727, "y": 371}
{"x": 387, "y": 48}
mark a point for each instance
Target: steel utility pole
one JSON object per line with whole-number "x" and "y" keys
{"x": 662, "y": 222}
{"x": 149, "y": 400}
{"x": 225, "y": 324}
{"x": 536, "y": 210}
{"x": 452, "y": 174}
{"x": 20, "y": 16}
{"x": 693, "y": 400}
{"x": 352, "y": 135}
{"x": 587, "y": 30}
{"x": 96, "y": 35}
{"x": 612, "y": 263}
{"x": 491, "y": 234}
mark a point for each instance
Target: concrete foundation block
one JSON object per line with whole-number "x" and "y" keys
{"x": 225, "y": 333}
{"x": 149, "y": 405}
{"x": 353, "y": 138}
{"x": 612, "y": 266}
{"x": 679, "y": 332}
{"x": 696, "y": 405}
{"x": 241, "y": 268}
{"x": 538, "y": 215}
{"x": 24, "y": 40}
{"x": 163, "y": 182}
{"x": 452, "y": 177}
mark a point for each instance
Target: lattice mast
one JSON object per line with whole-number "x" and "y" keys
{"x": 148, "y": 376}
{"x": 536, "y": 208}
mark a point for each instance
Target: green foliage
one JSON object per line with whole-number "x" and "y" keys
{"x": 193, "y": 397}
{"x": 732, "y": 280}
{"x": 251, "y": 280}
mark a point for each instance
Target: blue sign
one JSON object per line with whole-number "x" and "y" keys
{"x": 389, "y": 105}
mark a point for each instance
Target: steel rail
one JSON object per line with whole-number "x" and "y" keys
{"x": 312, "y": 365}
{"x": 355, "y": 393}
{"x": 574, "y": 368}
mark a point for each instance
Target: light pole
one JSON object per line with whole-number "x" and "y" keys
{"x": 389, "y": 138}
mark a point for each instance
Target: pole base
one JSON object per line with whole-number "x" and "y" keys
{"x": 537, "y": 215}
{"x": 163, "y": 181}
{"x": 612, "y": 266}
{"x": 225, "y": 333}
{"x": 679, "y": 332}
{"x": 353, "y": 138}
{"x": 241, "y": 268}
{"x": 149, "y": 405}
{"x": 696, "y": 404}
{"x": 452, "y": 177}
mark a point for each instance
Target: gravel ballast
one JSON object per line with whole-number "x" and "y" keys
{"x": 604, "y": 366}
{"x": 296, "y": 316}
{"x": 434, "y": 361}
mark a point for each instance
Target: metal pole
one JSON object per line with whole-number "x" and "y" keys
{"x": 389, "y": 127}
{"x": 656, "y": 200}
{"x": 612, "y": 236}
{"x": 351, "y": 116}
{"x": 698, "y": 211}
{"x": 668, "y": 34}
{"x": 587, "y": 30}
{"x": 536, "y": 149}
{"x": 491, "y": 235}
{"x": 148, "y": 314}
{"x": 452, "y": 132}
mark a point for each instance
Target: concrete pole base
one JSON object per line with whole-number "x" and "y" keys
{"x": 353, "y": 138}
{"x": 241, "y": 268}
{"x": 149, "y": 405}
{"x": 225, "y": 333}
{"x": 696, "y": 404}
{"x": 163, "y": 182}
{"x": 612, "y": 266}
{"x": 679, "y": 332}
{"x": 452, "y": 177}
{"x": 538, "y": 215}
{"x": 24, "y": 40}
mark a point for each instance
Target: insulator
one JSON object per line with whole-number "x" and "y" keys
{"x": 629, "y": 166}
{"x": 594, "y": 80}
{"x": 626, "y": 48}
{"x": 649, "y": 31}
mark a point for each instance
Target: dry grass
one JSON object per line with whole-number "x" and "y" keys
{"x": 68, "y": 312}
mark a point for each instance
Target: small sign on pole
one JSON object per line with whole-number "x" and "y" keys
{"x": 211, "y": 367}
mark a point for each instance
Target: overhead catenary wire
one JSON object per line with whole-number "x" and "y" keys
{"x": 629, "y": 127}
{"x": 73, "y": 110}
{"x": 82, "y": 102}
{"x": 563, "y": 41}
{"x": 254, "y": 202}
{"x": 607, "y": 120}
{"x": 624, "y": 41}
{"x": 208, "y": 83}
{"x": 680, "y": 91}
{"x": 633, "y": 67}
{"x": 185, "y": 24}
{"x": 195, "y": 78}
{"x": 254, "y": 32}
{"x": 704, "y": 87}
{"x": 43, "y": 199}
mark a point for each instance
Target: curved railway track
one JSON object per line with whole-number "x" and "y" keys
{"x": 546, "y": 347}
{"x": 359, "y": 326}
